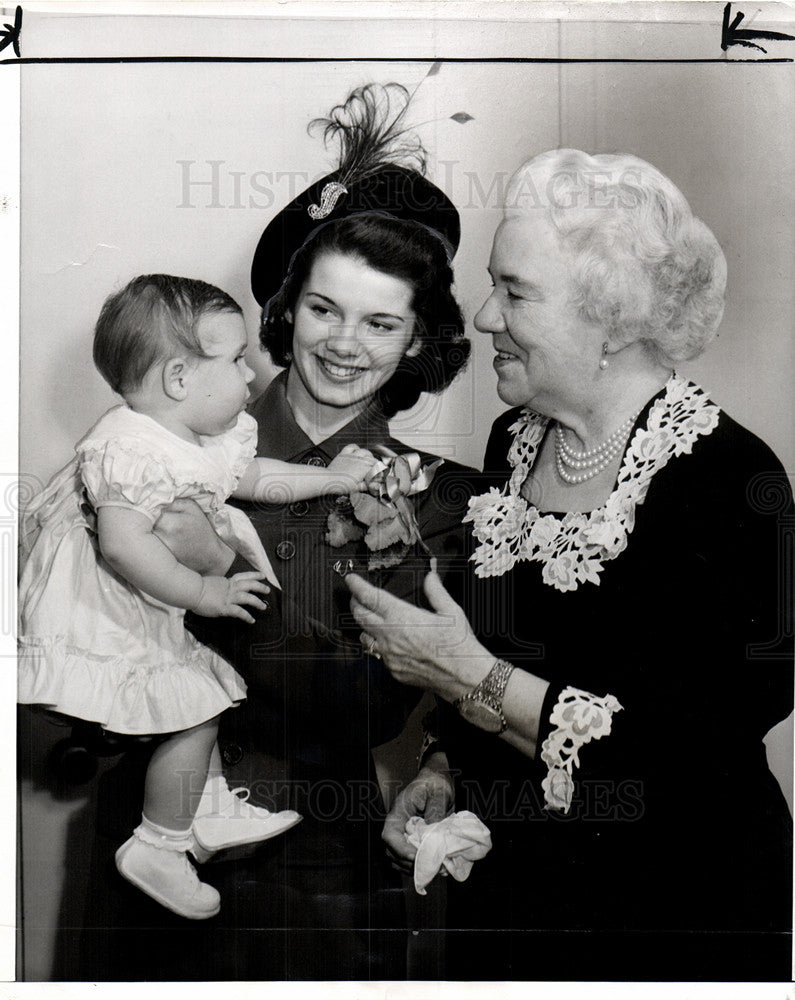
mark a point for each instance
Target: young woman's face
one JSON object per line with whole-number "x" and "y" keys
{"x": 351, "y": 327}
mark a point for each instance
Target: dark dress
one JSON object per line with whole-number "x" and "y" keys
{"x": 674, "y": 861}
{"x": 320, "y": 902}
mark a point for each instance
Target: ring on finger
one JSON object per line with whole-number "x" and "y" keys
{"x": 370, "y": 647}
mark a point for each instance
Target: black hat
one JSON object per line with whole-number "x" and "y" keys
{"x": 370, "y": 179}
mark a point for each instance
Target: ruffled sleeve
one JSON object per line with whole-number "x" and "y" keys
{"x": 239, "y": 446}
{"x": 119, "y": 473}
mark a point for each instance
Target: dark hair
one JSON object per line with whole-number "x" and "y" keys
{"x": 148, "y": 320}
{"x": 403, "y": 249}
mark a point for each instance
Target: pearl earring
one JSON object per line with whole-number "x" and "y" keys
{"x": 603, "y": 362}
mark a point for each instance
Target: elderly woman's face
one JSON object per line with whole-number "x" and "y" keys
{"x": 546, "y": 354}
{"x": 351, "y": 327}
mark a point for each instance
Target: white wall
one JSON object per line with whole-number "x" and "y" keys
{"x": 104, "y": 199}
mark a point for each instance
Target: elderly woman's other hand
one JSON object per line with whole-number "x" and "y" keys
{"x": 184, "y": 529}
{"x": 436, "y": 650}
{"x": 429, "y": 795}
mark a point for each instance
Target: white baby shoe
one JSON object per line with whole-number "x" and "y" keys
{"x": 158, "y": 865}
{"x": 224, "y": 819}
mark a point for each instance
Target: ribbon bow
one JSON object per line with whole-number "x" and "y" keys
{"x": 381, "y": 513}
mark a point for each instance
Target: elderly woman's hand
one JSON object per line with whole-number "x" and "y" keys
{"x": 430, "y": 795}
{"x": 436, "y": 650}
{"x": 184, "y": 529}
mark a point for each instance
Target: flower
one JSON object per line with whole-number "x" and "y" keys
{"x": 508, "y": 519}
{"x": 551, "y": 750}
{"x": 495, "y": 562}
{"x": 388, "y": 522}
{"x": 342, "y": 530}
{"x": 589, "y": 718}
{"x": 544, "y": 531}
{"x": 480, "y": 510}
{"x": 582, "y": 717}
{"x": 589, "y": 568}
{"x": 381, "y": 513}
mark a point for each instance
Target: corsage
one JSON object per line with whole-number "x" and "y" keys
{"x": 382, "y": 514}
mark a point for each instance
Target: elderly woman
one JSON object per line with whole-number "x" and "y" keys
{"x": 625, "y": 651}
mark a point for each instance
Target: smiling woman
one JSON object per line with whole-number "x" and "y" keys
{"x": 608, "y": 725}
{"x": 364, "y": 321}
{"x": 358, "y": 308}
{"x": 366, "y": 313}
{"x": 353, "y": 325}
{"x": 545, "y": 349}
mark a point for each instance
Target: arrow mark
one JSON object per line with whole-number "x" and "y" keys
{"x": 733, "y": 35}
{"x": 11, "y": 34}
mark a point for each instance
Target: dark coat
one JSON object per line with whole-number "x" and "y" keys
{"x": 320, "y": 703}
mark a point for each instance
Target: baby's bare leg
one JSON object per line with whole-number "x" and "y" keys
{"x": 177, "y": 774}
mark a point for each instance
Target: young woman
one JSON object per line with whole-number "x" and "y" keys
{"x": 355, "y": 282}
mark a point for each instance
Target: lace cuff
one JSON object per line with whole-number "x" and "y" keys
{"x": 577, "y": 718}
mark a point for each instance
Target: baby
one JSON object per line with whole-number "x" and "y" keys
{"x": 102, "y": 599}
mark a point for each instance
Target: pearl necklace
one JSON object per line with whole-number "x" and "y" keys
{"x": 588, "y": 464}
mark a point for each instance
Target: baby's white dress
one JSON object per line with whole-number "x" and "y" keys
{"x": 93, "y": 646}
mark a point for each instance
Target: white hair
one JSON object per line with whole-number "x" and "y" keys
{"x": 644, "y": 266}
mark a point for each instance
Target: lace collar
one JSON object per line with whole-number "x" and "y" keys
{"x": 574, "y": 548}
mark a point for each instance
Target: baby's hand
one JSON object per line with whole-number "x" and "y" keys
{"x": 225, "y": 596}
{"x": 353, "y": 464}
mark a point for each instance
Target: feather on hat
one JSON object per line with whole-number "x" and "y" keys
{"x": 380, "y": 169}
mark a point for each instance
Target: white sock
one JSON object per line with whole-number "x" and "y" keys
{"x": 161, "y": 836}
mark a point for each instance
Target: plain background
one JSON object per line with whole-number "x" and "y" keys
{"x": 133, "y": 169}
{"x": 107, "y": 150}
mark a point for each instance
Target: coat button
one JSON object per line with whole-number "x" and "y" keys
{"x": 285, "y": 550}
{"x": 316, "y": 460}
{"x": 231, "y": 754}
{"x": 299, "y": 509}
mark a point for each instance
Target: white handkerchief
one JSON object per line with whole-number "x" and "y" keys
{"x": 454, "y": 843}
{"x": 235, "y": 528}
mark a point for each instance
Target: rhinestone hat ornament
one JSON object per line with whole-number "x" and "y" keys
{"x": 328, "y": 199}
{"x": 380, "y": 169}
